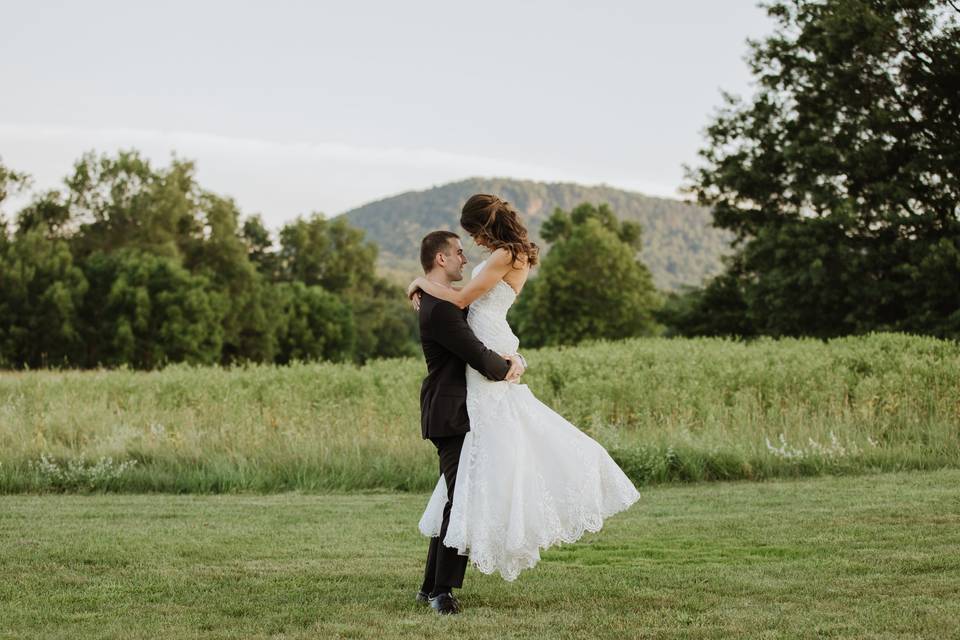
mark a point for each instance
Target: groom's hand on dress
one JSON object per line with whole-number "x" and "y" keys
{"x": 516, "y": 368}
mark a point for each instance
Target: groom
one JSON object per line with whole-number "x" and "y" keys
{"x": 448, "y": 346}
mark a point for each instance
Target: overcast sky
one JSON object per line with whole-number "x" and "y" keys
{"x": 292, "y": 107}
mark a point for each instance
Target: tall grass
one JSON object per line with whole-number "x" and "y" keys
{"x": 665, "y": 409}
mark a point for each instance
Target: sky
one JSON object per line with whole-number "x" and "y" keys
{"x": 297, "y": 107}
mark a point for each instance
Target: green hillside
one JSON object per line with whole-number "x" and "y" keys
{"x": 679, "y": 245}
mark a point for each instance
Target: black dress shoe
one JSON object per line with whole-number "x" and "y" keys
{"x": 445, "y": 604}
{"x": 423, "y": 597}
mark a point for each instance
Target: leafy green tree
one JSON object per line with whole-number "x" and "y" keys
{"x": 10, "y": 182}
{"x": 718, "y": 309}
{"x": 146, "y": 311}
{"x": 315, "y": 325}
{"x": 385, "y": 327}
{"x": 122, "y": 202}
{"x": 41, "y": 290}
{"x": 40, "y": 286}
{"x": 49, "y": 213}
{"x": 221, "y": 255}
{"x": 590, "y": 285}
{"x": 841, "y": 177}
{"x": 329, "y": 253}
{"x": 335, "y": 256}
{"x": 260, "y": 249}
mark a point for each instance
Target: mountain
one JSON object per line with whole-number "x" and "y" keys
{"x": 679, "y": 245}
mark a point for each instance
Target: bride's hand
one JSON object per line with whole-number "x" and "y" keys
{"x": 516, "y": 367}
{"x": 413, "y": 288}
{"x": 415, "y": 300}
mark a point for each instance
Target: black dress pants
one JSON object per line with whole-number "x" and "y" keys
{"x": 444, "y": 566}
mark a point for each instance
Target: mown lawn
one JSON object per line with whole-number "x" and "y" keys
{"x": 870, "y": 556}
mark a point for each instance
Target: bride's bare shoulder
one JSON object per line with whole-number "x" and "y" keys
{"x": 499, "y": 257}
{"x": 503, "y": 258}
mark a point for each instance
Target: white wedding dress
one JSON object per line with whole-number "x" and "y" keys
{"x": 527, "y": 478}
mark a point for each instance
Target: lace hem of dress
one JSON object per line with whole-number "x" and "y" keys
{"x": 495, "y": 556}
{"x": 510, "y": 568}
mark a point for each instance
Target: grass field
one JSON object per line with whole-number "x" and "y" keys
{"x": 870, "y": 556}
{"x": 666, "y": 410}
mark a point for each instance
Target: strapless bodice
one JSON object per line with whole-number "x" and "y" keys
{"x": 487, "y": 316}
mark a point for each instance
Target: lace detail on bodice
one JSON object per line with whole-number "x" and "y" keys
{"x": 487, "y": 316}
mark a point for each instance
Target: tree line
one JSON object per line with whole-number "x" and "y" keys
{"x": 839, "y": 180}
{"x": 130, "y": 264}
{"x": 139, "y": 266}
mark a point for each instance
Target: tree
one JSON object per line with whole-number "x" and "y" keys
{"x": 260, "y": 249}
{"x": 384, "y": 325}
{"x": 841, "y": 177}
{"x": 221, "y": 255}
{"x": 10, "y": 182}
{"x": 329, "y": 253}
{"x": 41, "y": 290}
{"x": 333, "y": 255}
{"x": 40, "y": 286}
{"x": 316, "y": 325}
{"x": 123, "y": 202}
{"x": 591, "y": 284}
{"x": 147, "y": 311}
{"x": 718, "y": 309}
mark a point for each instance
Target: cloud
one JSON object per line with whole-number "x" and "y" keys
{"x": 277, "y": 179}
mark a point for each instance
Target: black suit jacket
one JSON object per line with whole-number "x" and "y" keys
{"x": 448, "y": 345}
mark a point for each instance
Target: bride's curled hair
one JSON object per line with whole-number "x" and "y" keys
{"x": 496, "y": 224}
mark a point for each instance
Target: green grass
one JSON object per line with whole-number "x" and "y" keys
{"x": 832, "y": 557}
{"x": 667, "y": 410}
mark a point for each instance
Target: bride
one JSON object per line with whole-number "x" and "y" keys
{"x": 527, "y": 478}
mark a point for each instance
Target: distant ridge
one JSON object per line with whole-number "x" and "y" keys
{"x": 679, "y": 245}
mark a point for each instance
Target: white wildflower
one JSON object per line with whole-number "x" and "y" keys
{"x": 835, "y": 449}
{"x": 77, "y": 474}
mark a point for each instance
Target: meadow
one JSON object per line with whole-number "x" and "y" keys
{"x": 828, "y": 557}
{"x": 667, "y": 410}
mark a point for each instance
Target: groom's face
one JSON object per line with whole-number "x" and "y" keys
{"x": 452, "y": 260}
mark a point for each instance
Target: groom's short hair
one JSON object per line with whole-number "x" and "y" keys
{"x": 433, "y": 243}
